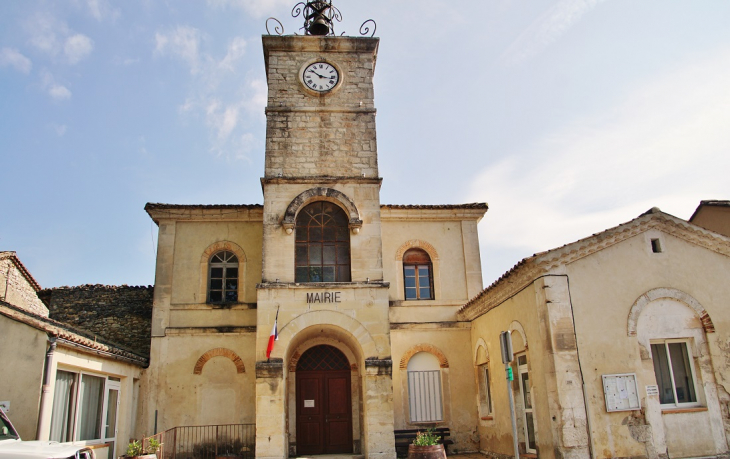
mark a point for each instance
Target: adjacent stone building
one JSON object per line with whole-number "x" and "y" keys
{"x": 621, "y": 345}
{"x": 18, "y": 286}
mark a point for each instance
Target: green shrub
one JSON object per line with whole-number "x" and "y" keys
{"x": 427, "y": 438}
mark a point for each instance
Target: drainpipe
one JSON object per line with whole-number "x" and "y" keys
{"x": 44, "y": 414}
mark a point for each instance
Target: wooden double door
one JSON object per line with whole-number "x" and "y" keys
{"x": 324, "y": 412}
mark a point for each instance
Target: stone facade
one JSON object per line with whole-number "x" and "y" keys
{"x": 595, "y": 308}
{"x": 319, "y": 148}
{"x": 17, "y": 285}
{"x": 121, "y": 314}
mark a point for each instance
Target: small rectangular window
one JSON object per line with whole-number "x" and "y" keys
{"x": 656, "y": 246}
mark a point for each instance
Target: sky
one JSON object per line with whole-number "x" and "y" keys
{"x": 566, "y": 116}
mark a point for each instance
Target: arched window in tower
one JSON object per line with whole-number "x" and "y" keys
{"x": 322, "y": 244}
{"x": 417, "y": 275}
{"x": 223, "y": 278}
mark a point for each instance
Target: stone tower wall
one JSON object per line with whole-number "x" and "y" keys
{"x": 310, "y": 134}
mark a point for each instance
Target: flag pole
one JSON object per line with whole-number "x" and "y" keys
{"x": 274, "y": 336}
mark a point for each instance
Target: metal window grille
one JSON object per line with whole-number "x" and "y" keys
{"x": 424, "y": 396}
{"x": 322, "y": 251}
{"x": 323, "y": 358}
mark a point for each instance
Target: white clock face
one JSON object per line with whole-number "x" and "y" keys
{"x": 320, "y": 76}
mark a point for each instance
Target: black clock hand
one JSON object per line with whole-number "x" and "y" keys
{"x": 317, "y": 74}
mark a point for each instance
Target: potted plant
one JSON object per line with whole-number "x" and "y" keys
{"x": 426, "y": 446}
{"x": 135, "y": 449}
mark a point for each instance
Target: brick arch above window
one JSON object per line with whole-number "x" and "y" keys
{"x": 416, "y": 244}
{"x": 219, "y": 352}
{"x": 223, "y": 246}
{"x": 671, "y": 293}
{"x": 443, "y": 362}
{"x": 322, "y": 194}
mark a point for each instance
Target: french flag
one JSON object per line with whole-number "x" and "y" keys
{"x": 274, "y": 336}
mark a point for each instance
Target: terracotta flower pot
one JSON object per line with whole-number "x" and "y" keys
{"x": 426, "y": 452}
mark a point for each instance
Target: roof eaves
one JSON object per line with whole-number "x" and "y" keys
{"x": 79, "y": 338}
{"x": 472, "y": 205}
{"x": 153, "y": 207}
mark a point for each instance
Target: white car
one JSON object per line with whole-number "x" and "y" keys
{"x": 12, "y": 447}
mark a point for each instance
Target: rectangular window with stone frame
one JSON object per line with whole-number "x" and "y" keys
{"x": 674, "y": 370}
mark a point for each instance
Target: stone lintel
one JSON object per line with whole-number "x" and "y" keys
{"x": 378, "y": 367}
{"x": 309, "y": 43}
{"x": 430, "y": 325}
{"x": 209, "y": 330}
{"x": 336, "y": 109}
{"x": 273, "y": 368}
{"x": 324, "y": 180}
{"x": 323, "y": 285}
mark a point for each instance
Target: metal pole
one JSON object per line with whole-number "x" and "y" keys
{"x": 512, "y": 411}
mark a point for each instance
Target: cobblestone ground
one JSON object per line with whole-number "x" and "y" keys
{"x": 468, "y": 456}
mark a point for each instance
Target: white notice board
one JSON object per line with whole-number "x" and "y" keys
{"x": 621, "y": 392}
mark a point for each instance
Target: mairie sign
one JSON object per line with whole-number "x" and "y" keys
{"x": 323, "y": 297}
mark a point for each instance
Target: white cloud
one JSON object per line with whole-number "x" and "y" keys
{"x": 236, "y": 50}
{"x": 547, "y": 28}
{"x": 256, "y": 103}
{"x": 53, "y": 37}
{"x": 77, "y": 47}
{"x": 664, "y": 144}
{"x": 11, "y": 57}
{"x": 56, "y": 91}
{"x": 222, "y": 119}
{"x": 214, "y": 80}
{"x": 182, "y": 42}
{"x": 256, "y": 8}
{"x": 59, "y": 92}
{"x": 44, "y": 30}
{"x": 101, "y": 9}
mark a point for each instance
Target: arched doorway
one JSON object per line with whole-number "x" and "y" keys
{"x": 323, "y": 402}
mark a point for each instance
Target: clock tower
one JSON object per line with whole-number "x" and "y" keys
{"x": 325, "y": 387}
